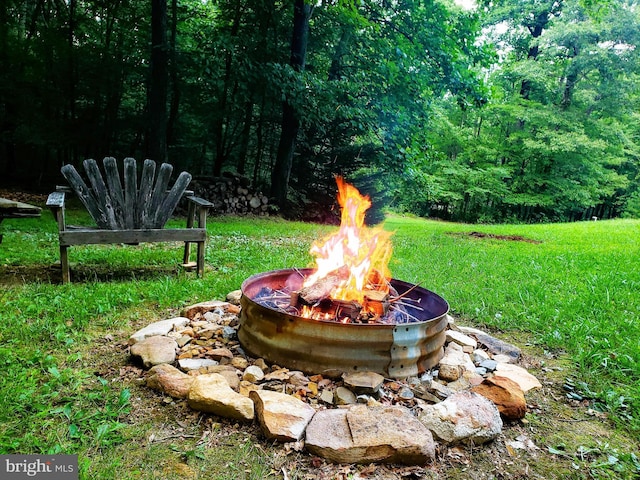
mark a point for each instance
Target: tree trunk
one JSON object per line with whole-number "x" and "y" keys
{"x": 335, "y": 71}
{"x": 219, "y": 122}
{"x": 290, "y": 119}
{"x": 244, "y": 138}
{"x": 157, "y": 95}
{"x": 173, "y": 72}
{"x": 536, "y": 28}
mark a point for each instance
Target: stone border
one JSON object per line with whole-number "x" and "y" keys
{"x": 359, "y": 418}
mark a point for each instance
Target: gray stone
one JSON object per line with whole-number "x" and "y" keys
{"x": 439, "y": 390}
{"x": 154, "y": 351}
{"x": 229, "y": 333}
{"x": 214, "y": 316}
{"x": 498, "y": 347}
{"x": 406, "y": 393}
{"x": 464, "y": 417}
{"x": 163, "y": 327}
{"x": 489, "y": 365}
{"x": 479, "y": 356}
{"x": 363, "y": 434}
{"x": 281, "y": 417}
{"x": 212, "y": 394}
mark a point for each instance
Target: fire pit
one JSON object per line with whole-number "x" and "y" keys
{"x": 410, "y": 345}
{"x": 347, "y": 314}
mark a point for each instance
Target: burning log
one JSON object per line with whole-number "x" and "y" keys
{"x": 376, "y": 301}
{"x": 317, "y": 297}
{"x": 320, "y": 290}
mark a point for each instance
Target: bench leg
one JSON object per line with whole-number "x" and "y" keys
{"x": 64, "y": 263}
{"x": 201, "y": 259}
{"x": 191, "y": 214}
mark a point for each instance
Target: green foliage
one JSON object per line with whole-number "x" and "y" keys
{"x": 517, "y": 110}
{"x": 554, "y": 143}
{"x": 632, "y": 207}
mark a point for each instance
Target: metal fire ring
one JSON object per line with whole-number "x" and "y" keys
{"x": 332, "y": 348}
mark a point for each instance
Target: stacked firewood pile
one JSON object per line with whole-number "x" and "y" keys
{"x": 231, "y": 194}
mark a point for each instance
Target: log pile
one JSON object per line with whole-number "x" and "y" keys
{"x": 232, "y": 195}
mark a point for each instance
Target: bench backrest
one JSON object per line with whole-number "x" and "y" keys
{"x": 116, "y": 205}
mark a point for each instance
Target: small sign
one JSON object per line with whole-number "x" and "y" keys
{"x": 39, "y": 467}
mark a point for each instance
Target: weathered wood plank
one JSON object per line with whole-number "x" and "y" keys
{"x": 84, "y": 194}
{"x": 201, "y": 202}
{"x": 97, "y": 236}
{"x": 6, "y": 203}
{"x": 171, "y": 201}
{"x": 145, "y": 191}
{"x": 18, "y": 208}
{"x": 100, "y": 192}
{"x": 157, "y": 198}
{"x": 130, "y": 192}
{"x": 115, "y": 190}
{"x": 56, "y": 199}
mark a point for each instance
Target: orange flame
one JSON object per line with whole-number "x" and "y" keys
{"x": 364, "y": 251}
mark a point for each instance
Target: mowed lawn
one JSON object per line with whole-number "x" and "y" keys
{"x": 569, "y": 289}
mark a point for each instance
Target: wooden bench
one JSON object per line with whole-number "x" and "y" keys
{"x": 128, "y": 213}
{"x": 15, "y": 209}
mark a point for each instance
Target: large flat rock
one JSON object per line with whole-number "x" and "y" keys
{"x": 363, "y": 434}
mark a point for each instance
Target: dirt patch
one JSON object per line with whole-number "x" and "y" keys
{"x": 22, "y": 275}
{"x": 512, "y": 238}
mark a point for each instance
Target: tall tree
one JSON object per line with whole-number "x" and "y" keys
{"x": 290, "y": 117}
{"x": 158, "y": 83}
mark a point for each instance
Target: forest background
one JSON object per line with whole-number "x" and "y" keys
{"x": 512, "y": 111}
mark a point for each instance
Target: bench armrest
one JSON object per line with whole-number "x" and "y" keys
{"x": 200, "y": 202}
{"x": 56, "y": 200}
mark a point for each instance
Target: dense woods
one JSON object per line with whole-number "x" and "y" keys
{"x": 522, "y": 110}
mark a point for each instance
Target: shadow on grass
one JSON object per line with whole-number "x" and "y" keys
{"x": 22, "y": 275}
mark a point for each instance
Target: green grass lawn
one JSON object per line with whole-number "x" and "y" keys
{"x": 575, "y": 292}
